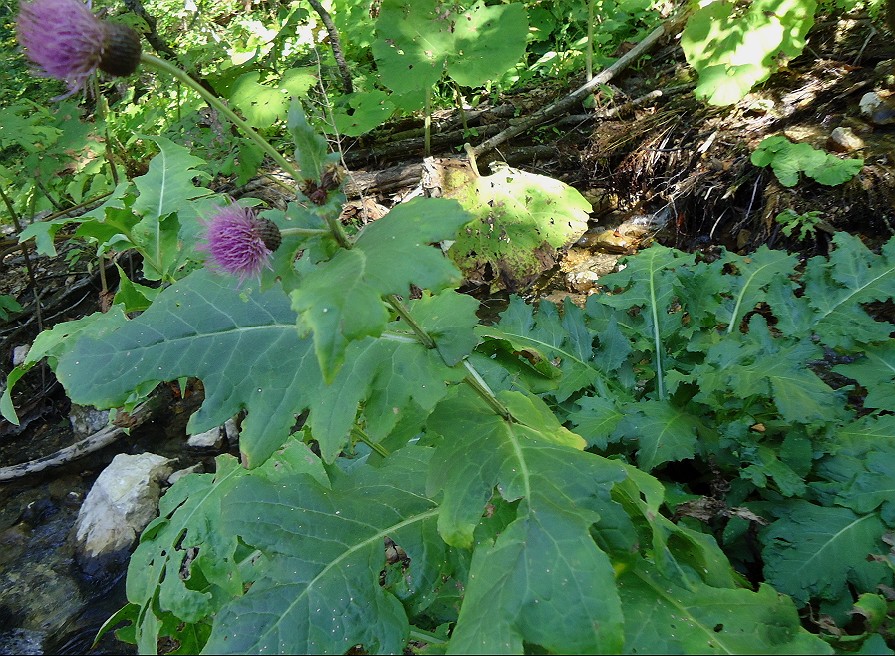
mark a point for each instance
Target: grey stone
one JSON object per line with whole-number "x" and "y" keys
{"x": 86, "y": 420}
{"x": 120, "y": 504}
{"x": 19, "y": 353}
{"x": 844, "y": 140}
{"x": 180, "y": 473}
{"x": 210, "y": 439}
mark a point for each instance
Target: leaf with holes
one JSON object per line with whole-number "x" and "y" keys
{"x": 320, "y": 592}
{"x": 183, "y": 566}
{"x": 662, "y": 617}
{"x": 521, "y": 220}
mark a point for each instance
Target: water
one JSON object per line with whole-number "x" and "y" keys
{"x": 47, "y": 603}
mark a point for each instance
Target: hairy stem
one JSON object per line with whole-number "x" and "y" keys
{"x": 363, "y": 437}
{"x": 218, "y": 104}
{"x": 473, "y": 378}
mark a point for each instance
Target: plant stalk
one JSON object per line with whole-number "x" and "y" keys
{"x": 473, "y": 378}
{"x": 338, "y": 232}
{"x": 218, "y": 104}
{"x": 363, "y": 437}
{"x": 304, "y": 232}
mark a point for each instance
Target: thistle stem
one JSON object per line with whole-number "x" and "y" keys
{"x": 426, "y": 636}
{"x": 363, "y": 437}
{"x": 473, "y": 378}
{"x": 217, "y": 103}
{"x": 405, "y": 315}
{"x": 476, "y": 382}
{"x": 303, "y": 232}
{"x": 337, "y": 231}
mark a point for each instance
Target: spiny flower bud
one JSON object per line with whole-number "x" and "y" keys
{"x": 121, "y": 50}
{"x": 270, "y": 234}
{"x": 240, "y": 243}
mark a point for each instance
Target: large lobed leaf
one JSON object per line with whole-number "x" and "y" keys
{"x": 244, "y": 348}
{"x": 814, "y": 551}
{"x": 418, "y": 41}
{"x": 859, "y": 471}
{"x": 55, "y": 342}
{"x": 837, "y": 286}
{"x": 185, "y": 566}
{"x": 388, "y": 256}
{"x": 731, "y": 286}
{"x": 875, "y": 371}
{"x": 247, "y": 351}
{"x": 772, "y": 367}
{"x": 321, "y": 591}
{"x": 651, "y": 284}
{"x": 731, "y": 52}
{"x": 543, "y": 580}
{"x": 662, "y": 617}
{"x": 168, "y": 185}
{"x": 663, "y": 432}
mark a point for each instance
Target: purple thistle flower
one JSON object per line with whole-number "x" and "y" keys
{"x": 240, "y": 243}
{"x": 69, "y": 43}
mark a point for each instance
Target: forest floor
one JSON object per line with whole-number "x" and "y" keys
{"x": 667, "y": 153}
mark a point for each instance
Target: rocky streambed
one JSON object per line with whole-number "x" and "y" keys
{"x": 66, "y": 532}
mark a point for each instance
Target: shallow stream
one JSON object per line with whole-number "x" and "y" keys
{"x": 47, "y": 603}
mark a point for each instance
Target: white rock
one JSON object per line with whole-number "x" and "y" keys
{"x": 210, "y": 439}
{"x": 19, "y": 353}
{"x": 231, "y": 430}
{"x": 120, "y": 504}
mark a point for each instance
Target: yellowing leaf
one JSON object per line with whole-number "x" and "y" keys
{"x": 521, "y": 219}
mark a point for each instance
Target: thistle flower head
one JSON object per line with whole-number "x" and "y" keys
{"x": 240, "y": 243}
{"x": 69, "y": 43}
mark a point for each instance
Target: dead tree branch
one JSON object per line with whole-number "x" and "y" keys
{"x": 562, "y": 106}
{"x": 95, "y": 442}
{"x": 336, "y": 44}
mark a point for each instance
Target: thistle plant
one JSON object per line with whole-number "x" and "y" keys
{"x": 448, "y": 485}
{"x": 68, "y": 42}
